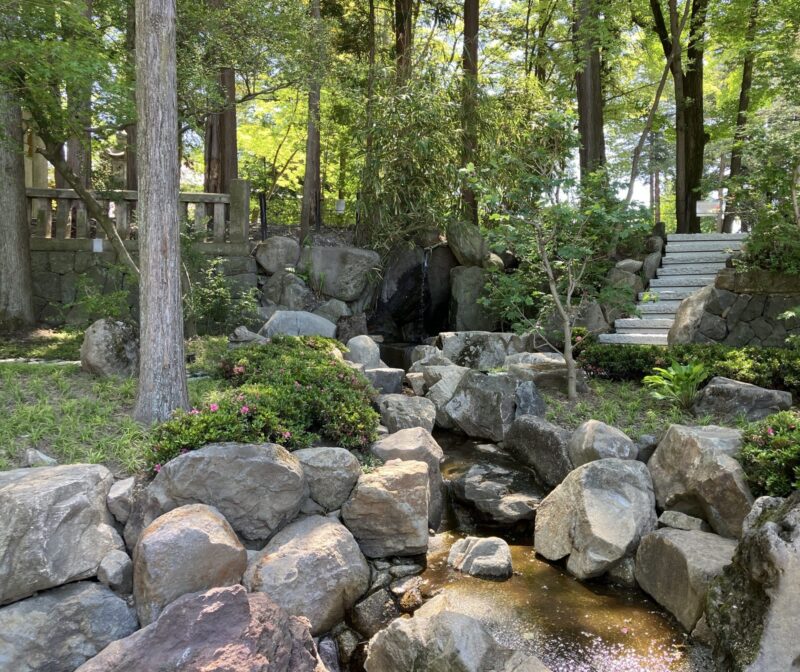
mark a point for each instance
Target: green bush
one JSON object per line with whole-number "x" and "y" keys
{"x": 774, "y": 368}
{"x": 290, "y": 391}
{"x": 677, "y": 384}
{"x": 771, "y": 455}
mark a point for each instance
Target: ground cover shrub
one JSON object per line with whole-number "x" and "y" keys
{"x": 771, "y": 454}
{"x": 677, "y": 384}
{"x": 290, "y": 391}
{"x": 774, "y": 368}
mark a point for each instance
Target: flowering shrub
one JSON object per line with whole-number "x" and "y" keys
{"x": 290, "y": 391}
{"x": 771, "y": 454}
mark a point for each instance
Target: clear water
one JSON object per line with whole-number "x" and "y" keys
{"x": 571, "y": 626}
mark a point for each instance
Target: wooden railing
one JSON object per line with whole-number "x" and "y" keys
{"x": 216, "y": 218}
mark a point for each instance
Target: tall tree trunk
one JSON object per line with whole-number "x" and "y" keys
{"x": 740, "y": 134}
{"x": 162, "y": 369}
{"x": 588, "y": 85}
{"x": 131, "y": 166}
{"x": 16, "y": 299}
{"x": 221, "y": 159}
{"x": 309, "y": 213}
{"x": 79, "y": 104}
{"x": 403, "y": 37}
{"x": 469, "y": 104}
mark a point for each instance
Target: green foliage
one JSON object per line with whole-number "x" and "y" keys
{"x": 677, "y": 384}
{"x": 773, "y": 245}
{"x": 42, "y": 344}
{"x": 93, "y": 301}
{"x": 771, "y": 455}
{"x": 290, "y": 391}
{"x": 775, "y": 368}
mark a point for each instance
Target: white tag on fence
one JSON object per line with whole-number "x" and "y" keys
{"x": 97, "y": 244}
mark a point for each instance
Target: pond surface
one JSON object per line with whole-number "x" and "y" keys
{"x": 571, "y": 626}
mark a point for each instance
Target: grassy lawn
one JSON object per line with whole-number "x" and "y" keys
{"x": 42, "y": 344}
{"x": 625, "y": 405}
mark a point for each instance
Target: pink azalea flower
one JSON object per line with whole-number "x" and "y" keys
{"x": 244, "y": 410}
{"x": 770, "y": 431}
{"x": 287, "y": 435}
{"x": 213, "y": 407}
{"x": 238, "y": 369}
{"x": 194, "y": 411}
{"x": 157, "y": 468}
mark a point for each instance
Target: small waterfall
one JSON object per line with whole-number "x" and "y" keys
{"x": 424, "y": 294}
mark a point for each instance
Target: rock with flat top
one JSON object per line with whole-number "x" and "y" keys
{"x": 730, "y": 399}
{"x": 485, "y": 558}
{"x": 595, "y": 440}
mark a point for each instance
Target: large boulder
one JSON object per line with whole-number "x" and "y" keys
{"x": 467, "y": 243}
{"x": 467, "y": 286}
{"x": 220, "y": 629}
{"x": 694, "y": 471}
{"x": 686, "y": 326}
{"x": 110, "y": 348}
{"x": 311, "y": 568}
{"x": 363, "y": 350}
{"x": 484, "y": 557}
{"x": 729, "y": 399}
{"x": 597, "y": 516}
{"x": 399, "y": 411}
{"x": 60, "y": 629}
{"x": 259, "y": 488}
{"x": 297, "y": 323}
{"x": 388, "y": 510}
{"x": 548, "y": 370}
{"x": 440, "y": 638}
{"x": 339, "y": 272}
{"x": 501, "y": 496}
{"x": 277, "y": 253}
{"x": 675, "y": 567}
{"x": 288, "y": 291}
{"x": 417, "y": 443}
{"x": 189, "y": 549}
{"x": 441, "y": 383}
{"x": 55, "y": 527}
{"x": 484, "y": 405}
{"x": 331, "y": 474}
{"x": 482, "y": 350}
{"x": 542, "y": 446}
{"x": 753, "y": 606}
{"x": 595, "y": 440}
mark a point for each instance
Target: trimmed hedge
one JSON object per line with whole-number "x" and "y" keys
{"x": 773, "y": 368}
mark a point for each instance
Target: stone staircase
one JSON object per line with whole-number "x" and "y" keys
{"x": 691, "y": 261}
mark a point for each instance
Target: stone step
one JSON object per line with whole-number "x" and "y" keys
{"x": 691, "y": 269}
{"x": 667, "y": 294}
{"x": 678, "y": 237}
{"x": 642, "y": 330}
{"x": 633, "y": 339}
{"x": 634, "y": 323}
{"x": 658, "y": 307}
{"x": 685, "y": 258}
{"x": 682, "y": 281}
{"x": 704, "y": 246}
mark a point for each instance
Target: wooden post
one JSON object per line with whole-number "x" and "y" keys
{"x": 240, "y": 211}
{"x": 123, "y": 221}
{"x": 219, "y": 222}
{"x": 41, "y": 208}
{"x": 200, "y": 220}
{"x": 62, "y": 218}
{"x": 81, "y": 221}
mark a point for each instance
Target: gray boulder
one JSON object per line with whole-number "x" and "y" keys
{"x": 364, "y": 350}
{"x": 629, "y": 265}
{"x": 220, "y": 629}
{"x": 36, "y": 458}
{"x": 753, "y": 605}
{"x": 374, "y": 613}
{"x": 482, "y": 350}
{"x": 399, "y": 411}
{"x": 277, "y": 253}
{"x": 297, "y": 323}
{"x": 258, "y": 488}
{"x": 484, "y": 405}
{"x": 597, "y": 516}
{"x": 288, "y": 291}
{"x": 55, "y": 527}
{"x": 331, "y": 474}
{"x": 116, "y": 572}
{"x": 595, "y": 440}
{"x": 333, "y": 309}
{"x": 385, "y": 380}
{"x": 542, "y": 446}
{"x": 417, "y": 443}
{"x": 388, "y": 510}
{"x": 675, "y": 567}
{"x": 119, "y": 499}
{"x": 548, "y": 370}
{"x": 622, "y": 279}
{"x": 110, "y": 348}
{"x": 695, "y": 472}
{"x": 500, "y": 495}
{"x": 60, "y": 629}
{"x": 680, "y": 521}
{"x": 729, "y": 399}
{"x": 339, "y": 272}
{"x": 467, "y": 243}
{"x": 189, "y": 549}
{"x": 311, "y": 568}
{"x": 442, "y": 382}
{"x": 689, "y": 315}
{"x": 467, "y": 286}
{"x": 483, "y": 557}
{"x": 440, "y": 638}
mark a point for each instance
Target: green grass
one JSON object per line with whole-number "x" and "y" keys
{"x": 75, "y": 417}
{"x": 625, "y": 405}
{"x": 42, "y": 344}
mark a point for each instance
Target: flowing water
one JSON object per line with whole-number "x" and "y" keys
{"x": 572, "y": 626}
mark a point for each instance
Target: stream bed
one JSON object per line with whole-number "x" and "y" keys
{"x": 572, "y": 626}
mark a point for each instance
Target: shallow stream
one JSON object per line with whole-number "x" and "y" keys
{"x": 572, "y": 626}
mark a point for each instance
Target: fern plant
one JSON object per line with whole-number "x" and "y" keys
{"x": 677, "y": 384}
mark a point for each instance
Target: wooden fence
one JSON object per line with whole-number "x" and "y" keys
{"x": 217, "y": 219}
